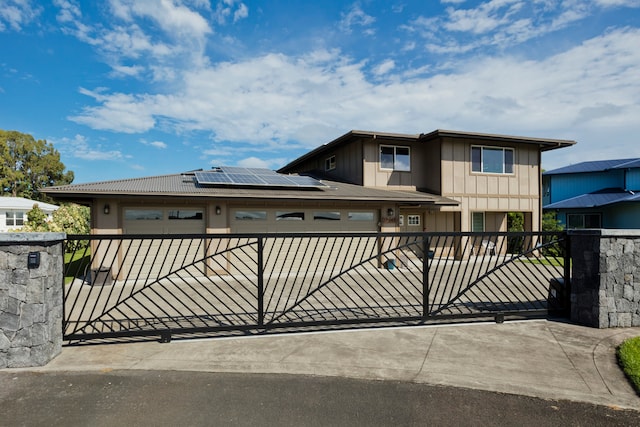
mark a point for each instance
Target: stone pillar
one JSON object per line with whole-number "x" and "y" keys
{"x": 605, "y": 282}
{"x": 30, "y": 298}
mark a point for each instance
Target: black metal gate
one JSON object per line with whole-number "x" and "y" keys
{"x": 165, "y": 285}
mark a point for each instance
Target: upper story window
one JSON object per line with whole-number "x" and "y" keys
{"x": 492, "y": 160}
{"x": 330, "y": 163}
{"x": 395, "y": 158}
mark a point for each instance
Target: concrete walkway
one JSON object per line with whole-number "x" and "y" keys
{"x": 540, "y": 358}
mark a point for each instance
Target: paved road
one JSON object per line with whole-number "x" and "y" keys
{"x": 172, "y": 398}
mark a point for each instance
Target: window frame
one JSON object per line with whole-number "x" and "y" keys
{"x": 583, "y": 217}
{"x": 395, "y": 163}
{"x": 330, "y": 163}
{"x": 17, "y": 218}
{"x": 473, "y": 222}
{"x": 508, "y": 167}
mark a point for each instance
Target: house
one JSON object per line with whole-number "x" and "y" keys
{"x": 443, "y": 181}
{"x": 595, "y": 194}
{"x": 13, "y": 211}
{"x": 364, "y": 181}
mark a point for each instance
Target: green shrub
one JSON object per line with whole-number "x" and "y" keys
{"x": 629, "y": 359}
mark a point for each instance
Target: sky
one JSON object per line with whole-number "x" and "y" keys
{"x": 132, "y": 88}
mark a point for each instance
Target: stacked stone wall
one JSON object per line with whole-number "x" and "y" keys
{"x": 30, "y": 299}
{"x": 605, "y": 278}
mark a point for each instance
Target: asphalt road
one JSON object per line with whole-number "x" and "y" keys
{"x": 178, "y": 398}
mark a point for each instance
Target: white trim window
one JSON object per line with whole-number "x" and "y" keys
{"x": 330, "y": 163}
{"x": 496, "y": 160}
{"x": 397, "y": 158}
{"x": 413, "y": 220}
{"x": 15, "y": 219}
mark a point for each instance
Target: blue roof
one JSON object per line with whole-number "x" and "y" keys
{"x": 593, "y": 200}
{"x": 595, "y": 166}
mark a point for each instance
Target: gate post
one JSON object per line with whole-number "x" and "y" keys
{"x": 31, "y": 281}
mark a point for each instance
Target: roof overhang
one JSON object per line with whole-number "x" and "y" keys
{"x": 545, "y": 144}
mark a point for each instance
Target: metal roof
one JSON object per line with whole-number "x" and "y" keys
{"x": 596, "y": 199}
{"x": 185, "y": 185}
{"x": 20, "y": 203}
{"x": 595, "y": 166}
{"x": 545, "y": 144}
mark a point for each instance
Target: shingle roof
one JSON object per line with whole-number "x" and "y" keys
{"x": 595, "y": 166}
{"x": 596, "y": 199}
{"x": 184, "y": 185}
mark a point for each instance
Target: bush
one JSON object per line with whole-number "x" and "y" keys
{"x": 629, "y": 358}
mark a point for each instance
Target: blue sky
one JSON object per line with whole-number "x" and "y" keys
{"x": 126, "y": 88}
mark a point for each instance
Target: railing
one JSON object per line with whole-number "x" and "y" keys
{"x": 165, "y": 285}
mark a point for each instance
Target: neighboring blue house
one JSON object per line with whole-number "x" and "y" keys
{"x": 598, "y": 194}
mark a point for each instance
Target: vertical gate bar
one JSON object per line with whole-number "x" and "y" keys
{"x": 260, "y": 282}
{"x": 567, "y": 273}
{"x": 425, "y": 275}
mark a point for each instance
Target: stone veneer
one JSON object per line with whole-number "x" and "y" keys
{"x": 30, "y": 299}
{"x": 605, "y": 283}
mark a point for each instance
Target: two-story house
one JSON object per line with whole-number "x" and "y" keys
{"x": 595, "y": 194}
{"x": 362, "y": 181}
{"x": 487, "y": 175}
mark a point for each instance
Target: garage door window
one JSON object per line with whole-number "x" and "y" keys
{"x": 250, "y": 215}
{"x": 326, "y": 216}
{"x": 142, "y": 214}
{"x": 289, "y": 216}
{"x": 361, "y": 216}
{"x": 186, "y": 214}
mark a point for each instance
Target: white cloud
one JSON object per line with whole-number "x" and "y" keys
{"x": 254, "y": 162}
{"x": 356, "y": 17}
{"x": 230, "y": 8}
{"x": 157, "y": 144}
{"x": 78, "y": 147}
{"x": 272, "y": 100}
{"x": 384, "y": 67}
{"x": 15, "y": 14}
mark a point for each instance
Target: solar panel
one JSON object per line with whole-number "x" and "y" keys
{"x": 237, "y": 176}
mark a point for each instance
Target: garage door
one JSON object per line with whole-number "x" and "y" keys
{"x": 144, "y": 258}
{"x": 245, "y": 220}
{"x": 290, "y": 254}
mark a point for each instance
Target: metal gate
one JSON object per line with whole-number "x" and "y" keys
{"x": 249, "y": 283}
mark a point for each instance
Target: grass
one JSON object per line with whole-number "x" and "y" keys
{"x": 556, "y": 261}
{"x": 629, "y": 359}
{"x": 75, "y": 264}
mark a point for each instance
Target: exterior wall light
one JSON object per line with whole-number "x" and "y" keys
{"x": 218, "y": 210}
{"x": 390, "y": 212}
{"x": 106, "y": 209}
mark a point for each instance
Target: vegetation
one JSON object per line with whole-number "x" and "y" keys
{"x": 68, "y": 218}
{"x": 76, "y": 264}
{"x": 27, "y": 165}
{"x": 629, "y": 359}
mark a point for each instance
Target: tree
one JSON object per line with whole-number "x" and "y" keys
{"x": 27, "y": 165}
{"x": 36, "y": 220}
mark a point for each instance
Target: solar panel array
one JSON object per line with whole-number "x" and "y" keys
{"x": 237, "y": 176}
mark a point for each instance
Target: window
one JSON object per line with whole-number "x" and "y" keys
{"x": 289, "y": 216}
{"x": 413, "y": 220}
{"x": 588, "y": 220}
{"x": 395, "y": 158}
{"x": 477, "y": 221}
{"x": 361, "y": 216}
{"x": 15, "y": 219}
{"x": 142, "y": 214}
{"x": 185, "y": 214}
{"x": 250, "y": 215}
{"x": 326, "y": 216}
{"x": 330, "y": 163}
{"x": 492, "y": 160}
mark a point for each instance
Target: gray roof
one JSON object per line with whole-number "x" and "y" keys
{"x": 20, "y": 203}
{"x": 596, "y": 199}
{"x": 595, "y": 166}
{"x": 184, "y": 185}
{"x": 544, "y": 144}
